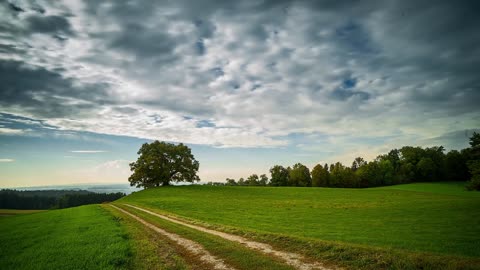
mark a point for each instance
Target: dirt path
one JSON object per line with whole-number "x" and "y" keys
{"x": 293, "y": 259}
{"x": 189, "y": 245}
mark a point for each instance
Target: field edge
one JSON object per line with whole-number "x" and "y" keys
{"x": 349, "y": 255}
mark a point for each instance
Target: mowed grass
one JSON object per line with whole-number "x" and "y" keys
{"x": 86, "y": 237}
{"x": 438, "y": 218}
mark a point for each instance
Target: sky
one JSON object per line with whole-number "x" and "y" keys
{"x": 245, "y": 84}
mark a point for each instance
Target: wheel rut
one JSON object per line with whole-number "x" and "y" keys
{"x": 293, "y": 259}
{"x": 189, "y": 245}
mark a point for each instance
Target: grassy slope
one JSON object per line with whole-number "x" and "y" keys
{"x": 12, "y": 212}
{"x": 149, "y": 249}
{"x": 234, "y": 254}
{"x": 439, "y": 218}
{"x": 446, "y": 188}
{"x": 85, "y": 237}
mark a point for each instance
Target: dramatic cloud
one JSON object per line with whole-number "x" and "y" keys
{"x": 245, "y": 73}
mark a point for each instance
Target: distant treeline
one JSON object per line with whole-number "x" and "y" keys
{"x": 405, "y": 165}
{"x": 52, "y": 199}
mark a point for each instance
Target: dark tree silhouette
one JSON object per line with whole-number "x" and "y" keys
{"x": 52, "y": 199}
{"x": 161, "y": 163}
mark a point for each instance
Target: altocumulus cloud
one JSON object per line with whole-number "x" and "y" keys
{"x": 243, "y": 73}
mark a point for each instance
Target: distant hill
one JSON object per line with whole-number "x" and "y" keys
{"x": 55, "y": 193}
{"x": 97, "y": 188}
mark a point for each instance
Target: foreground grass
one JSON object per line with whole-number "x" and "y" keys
{"x": 149, "y": 249}
{"x": 85, "y": 237}
{"x": 234, "y": 254}
{"x": 419, "y": 222}
{"x": 362, "y": 256}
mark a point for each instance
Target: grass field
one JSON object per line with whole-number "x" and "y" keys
{"x": 13, "y": 212}
{"x": 85, "y": 237}
{"x": 448, "y": 188}
{"x": 415, "y": 226}
{"x": 439, "y": 218}
{"x": 149, "y": 249}
{"x": 232, "y": 253}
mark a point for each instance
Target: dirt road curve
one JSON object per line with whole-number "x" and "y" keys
{"x": 189, "y": 245}
{"x": 293, "y": 259}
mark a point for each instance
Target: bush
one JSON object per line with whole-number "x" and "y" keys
{"x": 474, "y": 184}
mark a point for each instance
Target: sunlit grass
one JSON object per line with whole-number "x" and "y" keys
{"x": 400, "y": 217}
{"x": 233, "y": 253}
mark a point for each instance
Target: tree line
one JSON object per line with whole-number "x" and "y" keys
{"x": 52, "y": 199}
{"x": 405, "y": 165}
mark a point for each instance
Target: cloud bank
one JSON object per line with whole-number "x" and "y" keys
{"x": 243, "y": 73}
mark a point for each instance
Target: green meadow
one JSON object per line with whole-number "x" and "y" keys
{"x": 13, "y": 212}
{"x": 439, "y": 218}
{"x": 85, "y": 237}
{"x": 414, "y": 226}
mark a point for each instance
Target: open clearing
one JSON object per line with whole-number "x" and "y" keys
{"x": 428, "y": 221}
{"x": 428, "y": 226}
{"x": 292, "y": 259}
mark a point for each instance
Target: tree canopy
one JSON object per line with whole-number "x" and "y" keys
{"x": 474, "y": 162}
{"x": 52, "y": 199}
{"x": 299, "y": 176}
{"x": 161, "y": 163}
{"x": 320, "y": 176}
{"x": 279, "y": 176}
{"x": 405, "y": 165}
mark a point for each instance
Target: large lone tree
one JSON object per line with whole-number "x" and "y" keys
{"x": 161, "y": 163}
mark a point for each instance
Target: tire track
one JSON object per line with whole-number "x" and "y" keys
{"x": 189, "y": 245}
{"x": 292, "y": 259}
